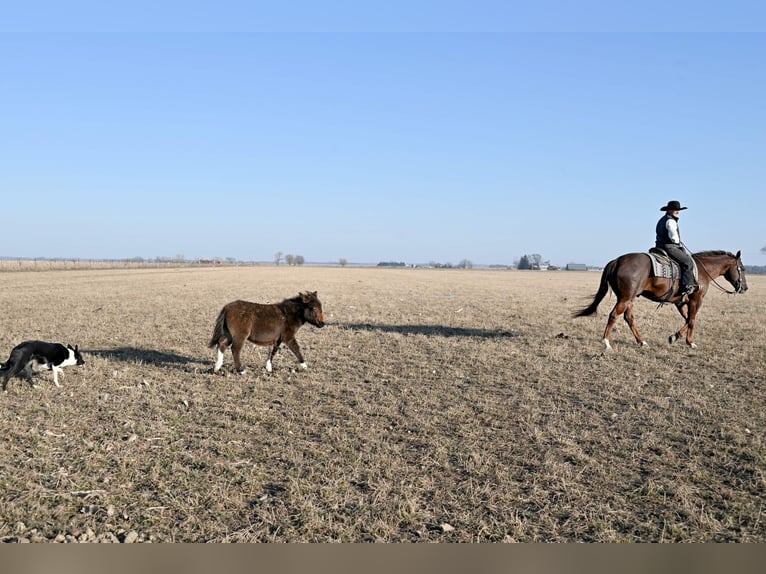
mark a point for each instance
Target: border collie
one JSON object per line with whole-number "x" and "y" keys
{"x": 39, "y": 355}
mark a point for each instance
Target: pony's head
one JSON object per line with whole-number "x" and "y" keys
{"x": 735, "y": 274}
{"x": 312, "y": 309}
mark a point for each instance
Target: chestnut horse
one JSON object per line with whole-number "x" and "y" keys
{"x": 630, "y": 276}
{"x": 271, "y": 324}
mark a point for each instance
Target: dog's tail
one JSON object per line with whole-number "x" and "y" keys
{"x": 221, "y": 331}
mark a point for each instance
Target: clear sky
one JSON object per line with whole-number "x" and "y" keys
{"x": 371, "y": 131}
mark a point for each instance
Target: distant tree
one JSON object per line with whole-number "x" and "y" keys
{"x": 532, "y": 261}
{"x": 278, "y": 257}
{"x": 343, "y": 261}
{"x": 291, "y": 259}
{"x": 763, "y": 249}
{"x": 465, "y": 264}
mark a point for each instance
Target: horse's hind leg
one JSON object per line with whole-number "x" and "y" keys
{"x": 631, "y": 321}
{"x": 618, "y": 310}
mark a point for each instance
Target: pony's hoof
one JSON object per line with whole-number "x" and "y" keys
{"x": 607, "y": 345}
{"x": 643, "y": 344}
{"x": 672, "y": 339}
{"x": 303, "y": 366}
{"x": 242, "y": 371}
{"x": 692, "y": 345}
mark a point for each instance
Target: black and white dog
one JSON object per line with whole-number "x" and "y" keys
{"x": 39, "y": 355}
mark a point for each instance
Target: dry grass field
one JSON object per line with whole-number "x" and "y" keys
{"x": 439, "y": 405}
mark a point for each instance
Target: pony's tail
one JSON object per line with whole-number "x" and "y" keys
{"x": 221, "y": 331}
{"x": 603, "y": 289}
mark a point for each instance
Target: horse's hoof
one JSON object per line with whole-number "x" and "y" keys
{"x": 303, "y": 366}
{"x": 672, "y": 339}
{"x": 644, "y": 344}
{"x": 692, "y": 345}
{"x": 607, "y": 346}
{"x": 242, "y": 371}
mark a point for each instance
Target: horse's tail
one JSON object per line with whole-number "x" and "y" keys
{"x": 603, "y": 289}
{"x": 220, "y": 331}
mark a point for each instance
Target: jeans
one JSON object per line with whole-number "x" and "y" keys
{"x": 684, "y": 259}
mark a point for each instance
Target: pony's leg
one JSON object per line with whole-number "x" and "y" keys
{"x": 272, "y": 352}
{"x": 221, "y": 349}
{"x": 292, "y": 344}
{"x": 631, "y": 321}
{"x": 236, "y": 349}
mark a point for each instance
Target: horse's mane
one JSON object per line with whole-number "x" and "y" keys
{"x": 714, "y": 253}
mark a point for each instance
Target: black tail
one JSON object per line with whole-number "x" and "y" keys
{"x": 603, "y": 289}
{"x": 220, "y": 331}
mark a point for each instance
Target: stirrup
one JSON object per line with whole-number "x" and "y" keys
{"x": 688, "y": 290}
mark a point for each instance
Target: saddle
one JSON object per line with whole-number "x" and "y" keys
{"x": 663, "y": 265}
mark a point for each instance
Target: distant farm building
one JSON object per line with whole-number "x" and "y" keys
{"x": 576, "y": 267}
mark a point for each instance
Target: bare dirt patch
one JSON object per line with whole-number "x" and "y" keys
{"x": 439, "y": 405}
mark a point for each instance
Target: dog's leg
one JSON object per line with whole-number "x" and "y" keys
{"x": 28, "y": 373}
{"x": 56, "y": 371}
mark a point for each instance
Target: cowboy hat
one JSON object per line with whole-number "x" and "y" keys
{"x": 673, "y": 206}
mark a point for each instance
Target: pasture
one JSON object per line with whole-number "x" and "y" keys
{"x": 438, "y": 405}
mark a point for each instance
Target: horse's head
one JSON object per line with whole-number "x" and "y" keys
{"x": 735, "y": 274}
{"x": 312, "y": 309}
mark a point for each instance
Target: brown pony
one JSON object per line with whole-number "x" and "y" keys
{"x": 630, "y": 276}
{"x": 271, "y": 324}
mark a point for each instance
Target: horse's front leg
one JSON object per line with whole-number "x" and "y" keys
{"x": 292, "y": 344}
{"x": 688, "y": 312}
{"x": 693, "y": 308}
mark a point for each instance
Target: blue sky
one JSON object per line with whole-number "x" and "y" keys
{"x": 473, "y": 131}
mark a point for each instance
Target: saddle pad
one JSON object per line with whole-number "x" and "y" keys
{"x": 663, "y": 266}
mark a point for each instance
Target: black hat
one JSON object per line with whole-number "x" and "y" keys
{"x": 673, "y": 206}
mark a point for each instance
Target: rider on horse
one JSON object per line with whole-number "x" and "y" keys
{"x": 669, "y": 239}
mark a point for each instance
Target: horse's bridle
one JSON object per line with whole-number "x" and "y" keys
{"x": 737, "y": 287}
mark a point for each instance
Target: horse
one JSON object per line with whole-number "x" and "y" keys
{"x": 264, "y": 324}
{"x": 630, "y": 276}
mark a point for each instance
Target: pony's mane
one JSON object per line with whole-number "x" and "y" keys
{"x": 714, "y": 253}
